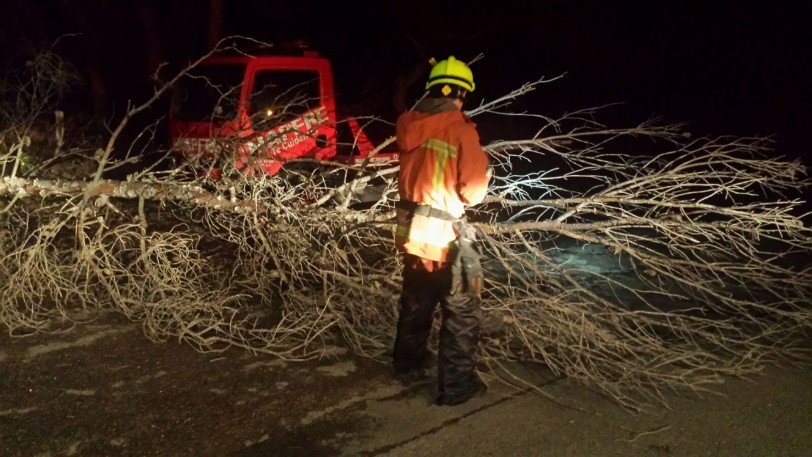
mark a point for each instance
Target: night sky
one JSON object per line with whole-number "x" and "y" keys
{"x": 723, "y": 67}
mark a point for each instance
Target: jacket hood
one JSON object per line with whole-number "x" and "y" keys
{"x": 429, "y": 117}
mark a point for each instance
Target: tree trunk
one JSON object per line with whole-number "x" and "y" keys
{"x": 152, "y": 36}
{"x": 215, "y": 22}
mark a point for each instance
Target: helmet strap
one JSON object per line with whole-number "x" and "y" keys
{"x": 448, "y": 90}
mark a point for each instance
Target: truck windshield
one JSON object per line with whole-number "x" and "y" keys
{"x": 277, "y": 96}
{"x": 209, "y": 93}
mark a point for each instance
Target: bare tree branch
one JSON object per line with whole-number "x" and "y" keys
{"x": 639, "y": 261}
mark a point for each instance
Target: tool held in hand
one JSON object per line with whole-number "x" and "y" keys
{"x": 467, "y": 276}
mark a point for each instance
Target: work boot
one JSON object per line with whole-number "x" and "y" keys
{"x": 410, "y": 377}
{"x": 478, "y": 389}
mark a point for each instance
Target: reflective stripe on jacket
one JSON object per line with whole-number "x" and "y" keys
{"x": 442, "y": 165}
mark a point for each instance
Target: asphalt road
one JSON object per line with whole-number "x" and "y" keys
{"x": 104, "y": 389}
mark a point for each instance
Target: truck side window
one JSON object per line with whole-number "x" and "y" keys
{"x": 208, "y": 93}
{"x": 278, "y": 96}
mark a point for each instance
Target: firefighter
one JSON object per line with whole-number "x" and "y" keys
{"x": 443, "y": 169}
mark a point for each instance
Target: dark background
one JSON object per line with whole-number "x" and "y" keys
{"x": 723, "y": 67}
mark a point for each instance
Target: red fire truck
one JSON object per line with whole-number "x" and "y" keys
{"x": 262, "y": 110}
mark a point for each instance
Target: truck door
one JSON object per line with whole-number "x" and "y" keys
{"x": 289, "y": 116}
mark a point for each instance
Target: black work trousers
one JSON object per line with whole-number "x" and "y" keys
{"x": 459, "y": 334}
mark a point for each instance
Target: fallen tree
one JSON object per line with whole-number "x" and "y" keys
{"x": 636, "y": 260}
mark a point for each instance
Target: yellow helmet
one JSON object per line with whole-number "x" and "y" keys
{"x": 451, "y": 71}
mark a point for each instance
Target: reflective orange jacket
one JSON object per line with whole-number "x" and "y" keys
{"x": 442, "y": 165}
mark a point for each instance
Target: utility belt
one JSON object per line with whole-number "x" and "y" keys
{"x": 467, "y": 276}
{"x": 420, "y": 209}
